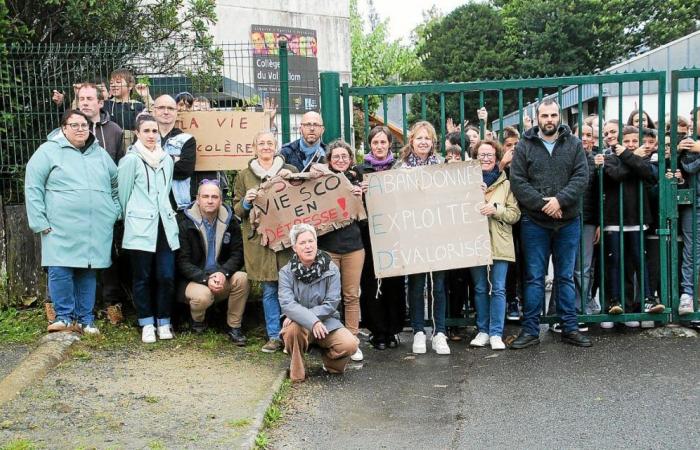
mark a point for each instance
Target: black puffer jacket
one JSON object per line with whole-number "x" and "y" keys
{"x": 535, "y": 174}
{"x": 192, "y": 255}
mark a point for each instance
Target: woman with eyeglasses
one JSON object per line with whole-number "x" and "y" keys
{"x": 344, "y": 245}
{"x": 501, "y": 208}
{"x": 261, "y": 262}
{"x": 150, "y": 228}
{"x": 71, "y": 199}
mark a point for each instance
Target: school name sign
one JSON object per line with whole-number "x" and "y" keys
{"x": 427, "y": 219}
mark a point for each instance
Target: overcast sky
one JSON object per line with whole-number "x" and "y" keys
{"x": 405, "y": 15}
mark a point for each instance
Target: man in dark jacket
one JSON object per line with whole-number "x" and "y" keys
{"x": 210, "y": 260}
{"x": 548, "y": 175}
{"x": 309, "y": 149}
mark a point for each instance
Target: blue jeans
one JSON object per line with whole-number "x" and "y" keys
{"x": 490, "y": 297}
{"x": 271, "y": 307}
{"x": 590, "y": 305}
{"x": 144, "y": 265}
{"x": 416, "y": 303}
{"x": 687, "y": 258}
{"x": 612, "y": 243}
{"x": 73, "y": 293}
{"x": 538, "y": 244}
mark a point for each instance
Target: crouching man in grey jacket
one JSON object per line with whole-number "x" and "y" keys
{"x": 309, "y": 294}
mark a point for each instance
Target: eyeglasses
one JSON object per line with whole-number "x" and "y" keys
{"x": 208, "y": 181}
{"x": 166, "y": 108}
{"x": 312, "y": 125}
{"x": 78, "y": 126}
{"x": 340, "y": 158}
{"x": 486, "y": 156}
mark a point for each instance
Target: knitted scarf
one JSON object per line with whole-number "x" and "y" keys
{"x": 380, "y": 164}
{"x": 152, "y": 157}
{"x": 490, "y": 176}
{"x": 313, "y": 272}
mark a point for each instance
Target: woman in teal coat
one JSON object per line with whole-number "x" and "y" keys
{"x": 71, "y": 198}
{"x": 150, "y": 228}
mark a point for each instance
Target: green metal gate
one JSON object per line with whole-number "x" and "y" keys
{"x": 520, "y": 91}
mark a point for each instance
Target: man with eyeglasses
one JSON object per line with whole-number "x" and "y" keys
{"x": 181, "y": 146}
{"x": 210, "y": 261}
{"x": 548, "y": 175}
{"x": 309, "y": 149}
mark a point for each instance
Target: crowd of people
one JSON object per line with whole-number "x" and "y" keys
{"x": 113, "y": 193}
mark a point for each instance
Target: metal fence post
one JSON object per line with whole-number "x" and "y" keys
{"x": 330, "y": 105}
{"x": 284, "y": 91}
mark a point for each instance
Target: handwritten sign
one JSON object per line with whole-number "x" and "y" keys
{"x": 224, "y": 138}
{"x": 427, "y": 218}
{"x": 325, "y": 202}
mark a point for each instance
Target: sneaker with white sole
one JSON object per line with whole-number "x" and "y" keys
{"x": 439, "y": 344}
{"x": 607, "y": 325}
{"x": 165, "y": 332}
{"x": 59, "y": 325}
{"x": 419, "y": 342}
{"x": 497, "y": 343}
{"x": 686, "y": 305}
{"x": 480, "y": 340}
{"x": 148, "y": 334}
{"x": 632, "y": 324}
{"x": 357, "y": 356}
{"x": 89, "y": 329}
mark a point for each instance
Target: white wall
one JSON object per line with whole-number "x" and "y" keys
{"x": 630, "y": 103}
{"x": 330, "y": 19}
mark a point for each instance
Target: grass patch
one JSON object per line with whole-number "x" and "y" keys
{"x": 238, "y": 423}
{"x": 273, "y": 415}
{"x": 156, "y": 445}
{"x": 19, "y": 444}
{"x": 21, "y": 326}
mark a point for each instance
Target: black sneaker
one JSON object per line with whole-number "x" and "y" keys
{"x": 378, "y": 341}
{"x": 199, "y": 327}
{"x": 652, "y": 305}
{"x": 555, "y": 327}
{"x": 236, "y": 336}
{"x": 513, "y": 312}
{"x": 576, "y": 338}
{"x": 524, "y": 341}
{"x": 615, "y": 307}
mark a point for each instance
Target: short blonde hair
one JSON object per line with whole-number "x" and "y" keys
{"x": 301, "y": 228}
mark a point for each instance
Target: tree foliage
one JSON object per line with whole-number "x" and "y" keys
{"x": 532, "y": 38}
{"x": 376, "y": 59}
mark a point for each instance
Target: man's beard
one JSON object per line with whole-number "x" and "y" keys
{"x": 548, "y": 132}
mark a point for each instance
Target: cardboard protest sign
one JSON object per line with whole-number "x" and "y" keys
{"x": 325, "y": 202}
{"x": 427, "y": 218}
{"x": 224, "y": 138}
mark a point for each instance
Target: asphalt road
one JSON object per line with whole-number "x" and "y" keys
{"x": 628, "y": 391}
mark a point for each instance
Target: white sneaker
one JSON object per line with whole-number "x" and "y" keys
{"x": 480, "y": 340}
{"x": 497, "y": 343}
{"x": 632, "y": 324}
{"x": 165, "y": 332}
{"x": 90, "y": 329}
{"x": 419, "y": 342}
{"x": 148, "y": 334}
{"x": 686, "y": 306}
{"x": 647, "y": 324}
{"x": 439, "y": 344}
{"x": 357, "y": 356}
{"x": 607, "y": 325}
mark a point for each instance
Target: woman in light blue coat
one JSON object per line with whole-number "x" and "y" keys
{"x": 71, "y": 199}
{"x": 150, "y": 228}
